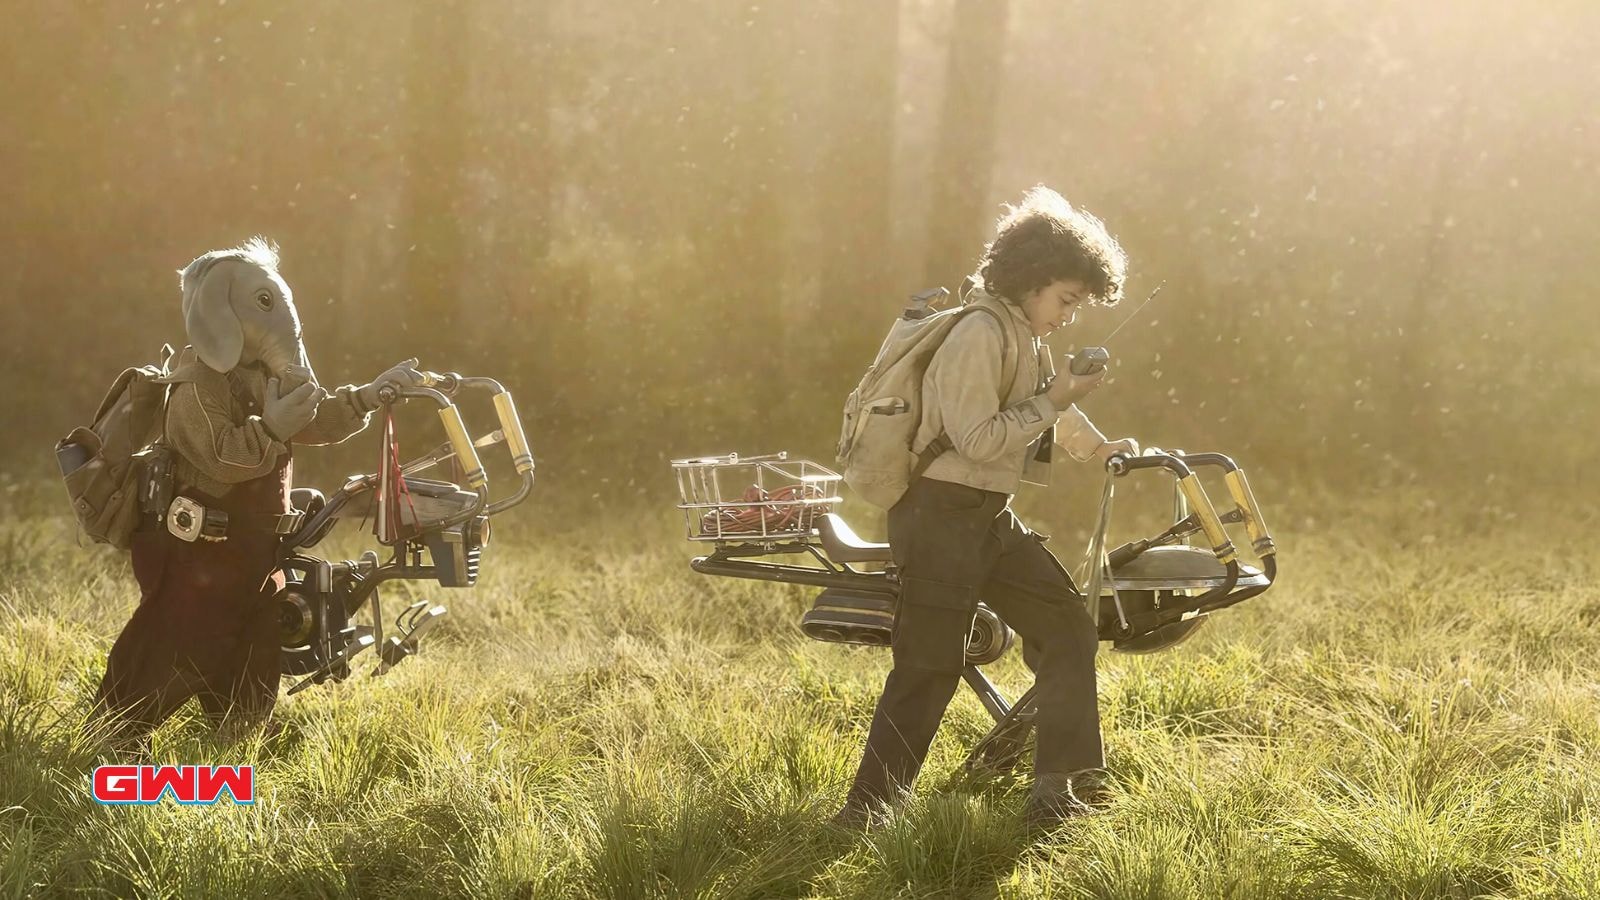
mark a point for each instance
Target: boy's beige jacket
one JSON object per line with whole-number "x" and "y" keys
{"x": 995, "y": 428}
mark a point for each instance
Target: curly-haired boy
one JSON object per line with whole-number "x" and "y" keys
{"x": 955, "y": 538}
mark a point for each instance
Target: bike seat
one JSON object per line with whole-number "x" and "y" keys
{"x": 843, "y": 546}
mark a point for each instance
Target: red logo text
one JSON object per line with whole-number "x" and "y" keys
{"x": 185, "y": 784}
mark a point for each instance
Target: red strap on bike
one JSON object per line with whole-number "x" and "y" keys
{"x": 388, "y": 524}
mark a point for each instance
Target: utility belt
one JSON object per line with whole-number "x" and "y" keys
{"x": 188, "y": 520}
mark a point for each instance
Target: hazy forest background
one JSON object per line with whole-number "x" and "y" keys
{"x": 678, "y": 228}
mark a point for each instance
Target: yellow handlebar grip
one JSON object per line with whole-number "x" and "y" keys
{"x": 511, "y": 425}
{"x": 1210, "y": 522}
{"x": 1245, "y": 499}
{"x": 461, "y": 442}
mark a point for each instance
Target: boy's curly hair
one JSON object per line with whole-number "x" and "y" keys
{"x": 1043, "y": 240}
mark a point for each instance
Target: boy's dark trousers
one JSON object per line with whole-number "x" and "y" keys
{"x": 955, "y": 545}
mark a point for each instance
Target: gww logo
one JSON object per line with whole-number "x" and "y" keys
{"x": 186, "y": 784}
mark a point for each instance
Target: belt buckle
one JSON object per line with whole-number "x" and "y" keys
{"x": 215, "y": 528}
{"x": 185, "y": 519}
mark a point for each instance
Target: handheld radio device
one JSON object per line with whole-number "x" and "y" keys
{"x": 1090, "y": 360}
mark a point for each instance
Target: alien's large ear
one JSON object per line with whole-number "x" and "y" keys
{"x": 208, "y": 313}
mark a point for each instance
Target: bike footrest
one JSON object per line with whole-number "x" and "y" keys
{"x": 359, "y": 637}
{"x": 412, "y": 625}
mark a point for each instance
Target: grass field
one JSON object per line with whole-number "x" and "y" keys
{"x": 1413, "y": 712}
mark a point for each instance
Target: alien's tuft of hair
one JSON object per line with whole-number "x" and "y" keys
{"x": 257, "y": 250}
{"x": 1044, "y": 239}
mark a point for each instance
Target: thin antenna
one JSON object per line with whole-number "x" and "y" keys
{"x": 1107, "y": 338}
{"x": 1090, "y": 360}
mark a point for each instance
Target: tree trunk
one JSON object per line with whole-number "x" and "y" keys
{"x": 854, "y": 209}
{"x": 958, "y": 221}
{"x": 514, "y": 303}
{"x": 436, "y": 154}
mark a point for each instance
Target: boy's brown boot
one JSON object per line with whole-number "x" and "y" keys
{"x": 1059, "y": 796}
{"x": 858, "y": 816}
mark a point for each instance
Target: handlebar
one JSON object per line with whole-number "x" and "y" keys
{"x": 1120, "y": 464}
{"x": 440, "y": 388}
{"x": 1244, "y": 500}
{"x": 1204, "y": 515}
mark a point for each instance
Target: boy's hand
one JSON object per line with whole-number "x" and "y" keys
{"x": 1123, "y": 447}
{"x": 1068, "y": 388}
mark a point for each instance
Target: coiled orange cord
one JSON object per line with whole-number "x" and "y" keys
{"x": 788, "y": 512}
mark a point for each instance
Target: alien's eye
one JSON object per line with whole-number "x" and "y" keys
{"x": 264, "y": 300}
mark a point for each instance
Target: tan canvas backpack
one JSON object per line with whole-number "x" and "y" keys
{"x": 882, "y": 414}
{"x": 104, "y": 464}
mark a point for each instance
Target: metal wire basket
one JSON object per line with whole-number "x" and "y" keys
{"x": 753, "y": 499}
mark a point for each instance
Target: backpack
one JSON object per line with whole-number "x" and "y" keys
{"x": 883, "y": 413}
{"x": 105, "y": 464}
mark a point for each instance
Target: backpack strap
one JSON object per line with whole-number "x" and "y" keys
{"x": 935, "y": 449}
{"x": 167, "y": 357}
{"x": 944, "y": 443}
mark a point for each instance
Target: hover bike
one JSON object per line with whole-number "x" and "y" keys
{"x": 769, "y": 518}
{"x": 436, "y": 531}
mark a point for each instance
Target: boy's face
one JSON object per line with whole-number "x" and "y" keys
{"x": 1055, "y": 305}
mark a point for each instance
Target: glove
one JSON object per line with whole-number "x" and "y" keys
{"x": 285, "y": 415}
{"x": 404, "y": 375}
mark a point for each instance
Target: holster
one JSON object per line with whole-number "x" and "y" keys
{"x": 157, "y": 480}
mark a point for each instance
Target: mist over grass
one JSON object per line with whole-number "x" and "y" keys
{"x": 1398, "y": 718}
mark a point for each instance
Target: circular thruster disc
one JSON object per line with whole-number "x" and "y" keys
{"x": 1164, "y": 638}
{"x": 1178, "y": 568}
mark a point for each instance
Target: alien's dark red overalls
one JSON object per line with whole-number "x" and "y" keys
{"x": 205, "y": 626}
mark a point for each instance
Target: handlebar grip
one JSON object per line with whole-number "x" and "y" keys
{"x": 461, "y": 442}
{"x": 511, "y": 426}
{"x": 1122, "y": 464}
{"x": 445, "y": 382}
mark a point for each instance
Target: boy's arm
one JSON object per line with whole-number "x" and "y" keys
{"x": 1078, "y": 436}
{"x": 966, "y": 373}
{"x": 1075, "y": 434}
{"x": 200, "y": 428}
{"x": 340, "y": 414}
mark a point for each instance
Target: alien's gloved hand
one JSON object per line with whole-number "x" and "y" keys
{"x": 285, "y": 415}
{"x": 404, "y": 375}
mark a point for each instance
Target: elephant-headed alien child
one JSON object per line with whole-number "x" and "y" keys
{"x": 242, "y": 395}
